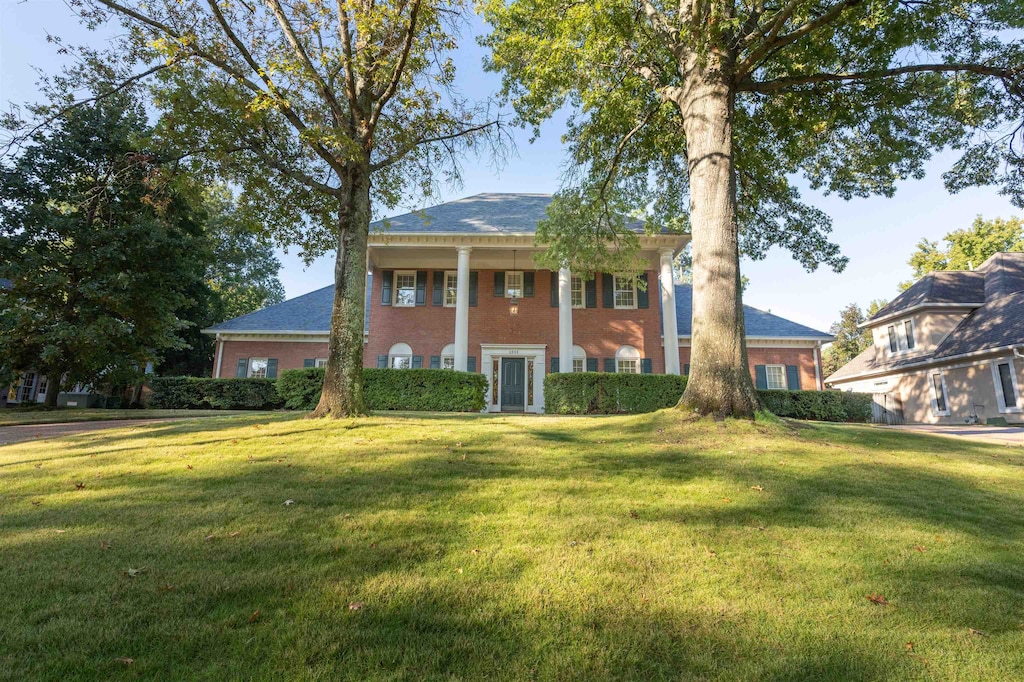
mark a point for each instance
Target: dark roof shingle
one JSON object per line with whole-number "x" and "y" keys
{"x": 938, "y": 287}
{"x": 757, "y": 322}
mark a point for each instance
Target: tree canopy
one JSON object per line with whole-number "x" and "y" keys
{"x": 966, "y": 249}
{"x": 850, "y": 341}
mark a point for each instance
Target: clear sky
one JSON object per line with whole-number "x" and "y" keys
{"x": 878, "y": 234}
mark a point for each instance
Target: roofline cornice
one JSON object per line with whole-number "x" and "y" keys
{"x": 874, "y": 321}
{"x": 927, "y": 362}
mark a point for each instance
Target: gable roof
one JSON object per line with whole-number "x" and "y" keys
{"x": 941, "y": 289}
{"x": 758, "y": 323}
{"x": 489, "y": 213}
{"x": 306, "y": 314}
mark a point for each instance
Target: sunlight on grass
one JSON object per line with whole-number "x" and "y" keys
{"x": 468, "y": 547}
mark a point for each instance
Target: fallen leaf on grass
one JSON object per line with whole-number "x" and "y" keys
{"x": 134, "y": 572}
{"x": 209, "y": 537}
{"x": 919, "y": 548}
{"x": 758, "y": 488}
{"x": 909, "y": 646}
{"x": 234, "y": 534}
{"x": 39, "y": 466}
{"x": 475, "y": 551}
{"x": 189, "y": 467}
{"x": 726, "y": 500}
{"x": 79, "y": 485}
{"x": 60, "y": 530}
{"x": 355, "y": 606}
{"x": 877, "y": 599}
{"x": 36, "y": 503}
{"x": 104, "y": 544}
{"x": 288, "y": 503}
{"x": 125, "y": 660}
{"x": 977, "y": 632}
{"x": 166, "y": 588}
{"x": 634, "y": 514}
{"x": 710, "y": 552}
{"x": 459, "y": 570}
{"x": 255, "y": 616}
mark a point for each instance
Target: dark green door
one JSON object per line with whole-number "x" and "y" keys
{"x": 513, "y": 384}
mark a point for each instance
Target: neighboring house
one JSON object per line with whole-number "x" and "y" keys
{"x": 454, "y": 287}
{"x": 948, "y": 349}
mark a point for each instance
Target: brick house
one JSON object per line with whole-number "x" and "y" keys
{"x": 454, "y": 286}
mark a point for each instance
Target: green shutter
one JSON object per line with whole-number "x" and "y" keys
{"x": 473, "y": 279}
{"x": 435, "y": 362}
{"x": 554, "y": 365}
{"x": 686, "y": 370}
{"x": 591, "y": 364}
{"x": 242, "y": 368}
{"x": 792, "y": 377}
{"x": 646, "y": 366}
{"x": 499, "y": 284}
{"x": 554, "y": 289}
{"x": 382, "y": 362}
{"x": 643, "y": 298}
{"x": 471, "y": 363}
{"x": 528, "y": 285}
{"x": 309, "y": 362}
{"x": 437, "y": 296}
{"x": 387, "y": 279}
{"x": 761, "y": 377}
{"x": 609, "y": 365}
{"x": 421, "y": 287}
{"x": 608, "y": 290}
{"x": 272, "y": 368}
{"x": 590, "y": 287}
{"x": 417, "y": 362}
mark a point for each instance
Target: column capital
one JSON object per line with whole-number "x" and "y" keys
{"x": 667, "y": 251}
{"x": 463, "y": 249}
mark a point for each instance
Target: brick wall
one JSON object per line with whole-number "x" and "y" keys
{"x": 289, "y": 354}
{"x": 801, "y": 357}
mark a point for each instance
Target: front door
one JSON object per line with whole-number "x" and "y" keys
{"x": 513, "y": 384}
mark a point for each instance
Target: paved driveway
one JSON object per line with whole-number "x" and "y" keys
{"x": 23, "y": 432}
{"x": 994, "y": 435}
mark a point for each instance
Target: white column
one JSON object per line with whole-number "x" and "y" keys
{"x": 462, "y": 311}
{"x": 564, "y": 320}
{"x": 669, "y": 324}
{"x": 220, "y": 356}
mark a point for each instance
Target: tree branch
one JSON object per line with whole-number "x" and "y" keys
{"x": 396, "y": 76}
{"x": 401, "y": 153}
{"x": 768, "y": 87}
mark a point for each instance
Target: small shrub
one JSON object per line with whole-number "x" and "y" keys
{"x": 416, "y": 390}
{"x": 188, "y": 393}
{"x": 828, "y": 406}
{"x": 598, "y": 393}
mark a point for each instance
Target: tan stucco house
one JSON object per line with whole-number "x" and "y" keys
{"x": 948, "y": 350}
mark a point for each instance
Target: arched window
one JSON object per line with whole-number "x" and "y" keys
{"x": 400, "y": 356}
{"x": 627, "y": 360}
{"x": 448, "y": 356}
{"x": 579, "y": 359}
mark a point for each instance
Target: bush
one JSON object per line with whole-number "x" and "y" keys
{"x": 826, "y": 406}
{"x": 416, "y": 390}
{"x": 186, "y": 393}
{"x": 598, "y": 393}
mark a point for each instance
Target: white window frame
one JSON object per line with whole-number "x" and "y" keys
{"x": 397, "y": 302}
{"x": 898, "y": 332}
{"x": 625, "y": 363}
{"x": 616, "y": 290}
{"x": 320, "y": 362}
{"x": 782, "y": 374}
{"x": 910, "y": 342}
{"x": 1000, "y": 396}
{"x": 448, "y": 356}
{"x": 26, "y": 391}
{"x": 510, "y": 276}
{"x": 935, "y": 397}
{"x": 255, "y": 373}
{"x": 579, "y": 356}
{"x": 400, "y": 358}
{"x": 579, "y": 292}
{"x": 451, "y": 288}
{"x": 892, "y": 338}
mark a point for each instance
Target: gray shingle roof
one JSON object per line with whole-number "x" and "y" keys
{"x": 938, "y": 287}
{"x": 757, "y": 322}
{"x": 480, "y": 214}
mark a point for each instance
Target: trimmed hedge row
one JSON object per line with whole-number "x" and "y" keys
{"x": 599, "y": 393}
{"x": 187, "y": 393}
{"x": 417, "y": 390}
{"x": 826, "y": 406}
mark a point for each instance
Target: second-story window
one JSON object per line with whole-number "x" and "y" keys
{"x": 405, "y": 289}
{"x": 908, "y": 330}
{"x": 894, "y": 343}
{"x": 514, "y": 284}
{"x": 625, "y": 293}
{"x": 577, "y": 292}
{"x": 451, "y": 289}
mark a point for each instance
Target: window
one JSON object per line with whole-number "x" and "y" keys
{"x": 451, "y": 289}
{"x": 514, "y": 284}
{"x": 400, "y": 356}
{"x": 257, "y": 368}
{"x": 625, "y": 293}
{"x": 578, "y": 300}
{"x": 940, "y": 399}
{"x": 627, "y": 360}
{"x": 776, "y": 376}
{"x": 448, "y": 356}
{"x": 26, "y": 386}
{"x": 894, "y": 344}
{"x": 908, "y": 330}
{"x": 579, "y": 359}
{"x": 1007, "y": 391}
{"x": 41, "y": 387}
{"x": 321, "y": 362}
{"x": 405, "y": 289}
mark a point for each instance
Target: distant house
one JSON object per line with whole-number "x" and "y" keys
{"x": 949, "y": 348}
{"x": 454, "y": 287}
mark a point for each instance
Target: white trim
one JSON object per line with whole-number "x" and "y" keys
{"x": 817, "y": 368}
{"x": 509, "y": 274}
{"x": 444, "y": 288}
{"x": 615, "y": 292}
{"x": 248, "y": 367}
{"x": 874, "y": 322}
{"x": 936, "y": 412}
{"x": 785, "y": 378}
{"x": 997, "y": 380}
{"x": 583, "y": 291}
{"x": 924, "y": 363}
{"x": 394, "y": 289}
{"x": 220, "y": 355}
{"x": 531, "y": 351}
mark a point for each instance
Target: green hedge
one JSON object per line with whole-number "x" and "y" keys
{"x": 826, "y": 406}
{"x": 185, "y": 393}
{"x": 599, "y": 393}
{"x": 418, "y": 390}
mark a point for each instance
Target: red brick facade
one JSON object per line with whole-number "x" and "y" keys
{"x": 804, "y": 358}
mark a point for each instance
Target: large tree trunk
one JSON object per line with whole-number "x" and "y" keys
{"x": 719, "y": 382}
{"x": 52, "y": 391}
{"x": 343, "y": 379}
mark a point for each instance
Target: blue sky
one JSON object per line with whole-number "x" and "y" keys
{"x": 877, "y": 234}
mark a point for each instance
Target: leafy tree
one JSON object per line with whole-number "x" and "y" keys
{"x": 850, "y": 341}
{"x": 967, "y": 249}
{"x": 707, "y": 111}
{"x": 99, "y": 247}
{"x": 318, "y": 110}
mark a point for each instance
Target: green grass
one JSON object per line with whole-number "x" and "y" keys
{"x": 510, "y": 548}
{"x": 15, "y": 416}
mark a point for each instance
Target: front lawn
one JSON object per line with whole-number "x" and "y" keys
{"x": 520, "y": 548}
{"x": 16, "y": 416}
